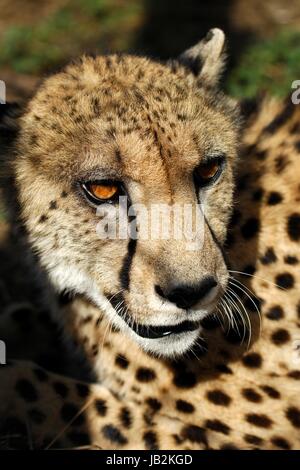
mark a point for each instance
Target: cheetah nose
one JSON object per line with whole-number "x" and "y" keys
{"x": 185, "y": 296}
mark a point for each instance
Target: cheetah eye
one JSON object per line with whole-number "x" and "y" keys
{"x": 101, "y": 191}
{"x": 209, "y": 171}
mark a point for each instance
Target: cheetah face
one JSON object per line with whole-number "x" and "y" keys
{"x": 127, "y": 127}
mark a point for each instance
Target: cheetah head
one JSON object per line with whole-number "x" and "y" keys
{"x": 125, "y": 128}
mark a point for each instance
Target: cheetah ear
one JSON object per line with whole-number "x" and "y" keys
{"x": 206, "y": 59}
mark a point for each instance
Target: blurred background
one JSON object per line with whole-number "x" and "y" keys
{"x": 39, "y": 36}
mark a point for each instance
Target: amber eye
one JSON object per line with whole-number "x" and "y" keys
{"x": 101, "y": 191}
{"x": 207, "y": 172}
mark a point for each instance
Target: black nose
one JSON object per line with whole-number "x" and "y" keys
{"x": 185, "y": 296}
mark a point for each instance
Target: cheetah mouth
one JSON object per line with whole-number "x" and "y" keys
{"x": 152, "y": 331}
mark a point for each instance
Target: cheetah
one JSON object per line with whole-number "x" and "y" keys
{"x": 164, "y": 347}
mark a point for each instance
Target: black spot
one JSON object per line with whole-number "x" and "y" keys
{"x": 64, "y": 194}
{"x": 259, "y": 420}
{"x": 113, "y": 434}
{"x": 270, "y": 391}
{"x": 291, "y": 260}
{"x": 280, "y": 442}
{"x": 280, "y": 336}
{"x": 275, "y": 313}
{"x": 61, "y": 389}
{"x": 43, "y": 218}
{"x": 285, "y": 280}
{"x": 229, "y": 446}
{"x": 68, "y": 413}
{"x": 37, "y": 416}
{"x": 144, "y": 374}
{"x": 251, "y": 395}
{"x": 185, "y": 379}
{"x": 281, "y": 118}
{"x": 223, "y": 368}
{"x": 100, "y": 406}
{"x": 121, "y": 361}
{"x": 154, "y": 404}
{"x": 26, "y": 390}
{"x": 150, "y": 439}
{"x": 125, "y": 417}
{"x": 177, "y": 439}
{"x": 218, "y": 397}
{"x": 269, "y": 257}
{"x": 252, "y": 360}
{"x": 250, "y": 228}
{"x": 293, "y": 415}
{"x": 255, "y": 440}
{"x": 281, "y": 163}
{"x": 53, "y": 205}
{"x": 293, "y": 227}
{"x": 194, "y": 434}
{"x": 217, "y": 426}
{"x": 184, "y": 406}
{"x": 274, "y": 198}
{"x": 78, "y": 438}
{"x": 294, "y": 374}
{"x": 82, "y": 390}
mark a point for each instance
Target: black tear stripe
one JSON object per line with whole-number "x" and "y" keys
{"x": 127, "y": 262}
{"x": 124, "y": 275}
{"x": 221, "y": 248}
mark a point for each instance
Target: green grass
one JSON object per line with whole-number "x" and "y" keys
{"x": 112, "y": 25}
{"x": 80, "y": 25}
{"x": 270, "y": 65}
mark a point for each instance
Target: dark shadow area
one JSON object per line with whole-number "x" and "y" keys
{"x": 173, "y": 26}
